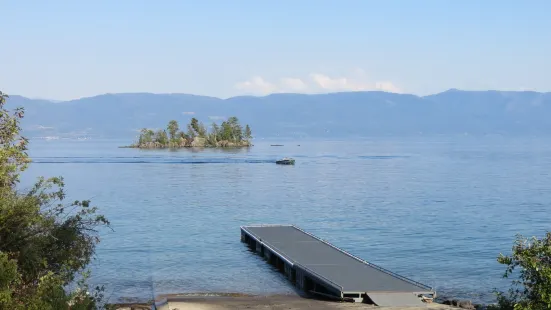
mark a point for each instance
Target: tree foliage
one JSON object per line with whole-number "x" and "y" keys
{"x": 530, "y": 267}
{"x": 194, "y": 123}
{"x": 146, "y": 135}
{"x": 161, "y": 137}
{"x": 13, "y": 147}
{"x": 229, "y": 133}
{"x": 248, "y": 133}
{"x": 45, "y": 244}
{"x": 173, "y": 128}
{"x": 191, "y": 133}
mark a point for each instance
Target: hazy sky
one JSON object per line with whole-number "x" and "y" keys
{"x": 69, "y": 49}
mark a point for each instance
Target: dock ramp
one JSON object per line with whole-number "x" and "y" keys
{"x": 318, "y": 267}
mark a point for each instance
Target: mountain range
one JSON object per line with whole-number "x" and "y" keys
{"x": 333, "y": 115}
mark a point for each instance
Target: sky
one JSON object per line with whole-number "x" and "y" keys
{"x": 71, "y": 49}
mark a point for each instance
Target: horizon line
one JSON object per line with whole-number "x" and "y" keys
{"x": 284, "y": 93}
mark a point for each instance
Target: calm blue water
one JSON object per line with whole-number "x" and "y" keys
{"x": 438, "y": 210}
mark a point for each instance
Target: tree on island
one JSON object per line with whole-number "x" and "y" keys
{"x": 248, "y": 133}
{"x": 45, "y": 244}
{"x": 146, "y": 136}
{"x": 173, "y": 130}
{"x": 161, "y": 137}
{"x": 194, "y": 123}
{"x": 228, "y": 134}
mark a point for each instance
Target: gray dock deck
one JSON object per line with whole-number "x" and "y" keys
{"x": 316, "y": 266}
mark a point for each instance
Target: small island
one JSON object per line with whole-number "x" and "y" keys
{"x": 228, "y": 134}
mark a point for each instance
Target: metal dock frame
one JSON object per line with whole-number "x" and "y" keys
{"x": 311, "y": 281}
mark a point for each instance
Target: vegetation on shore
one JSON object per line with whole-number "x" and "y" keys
{"x": 45, "y": 243}
{"x": 228, "y": 134}
{"x": 529, "y": 267}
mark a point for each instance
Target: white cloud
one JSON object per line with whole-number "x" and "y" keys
{"x": 188, "y": 113}
{"x": 293, "y": 84}
{"x": 388, "y": 87}
{"x": 357, "y": 82}
{"x": 339, "y": 84}
{"x": 259, "y": 86}
{"x": 256, "y": 85}
{"x": 317, "y": 82}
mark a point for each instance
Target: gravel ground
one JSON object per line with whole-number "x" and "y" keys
{"x": 274, "y": 302}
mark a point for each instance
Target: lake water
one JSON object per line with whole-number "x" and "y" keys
{"x": 438, "y": 210}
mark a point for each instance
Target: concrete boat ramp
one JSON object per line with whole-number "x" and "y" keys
{"x": 318, "y": 267}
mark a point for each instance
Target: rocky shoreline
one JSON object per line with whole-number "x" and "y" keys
{"x": 464, "y": 304}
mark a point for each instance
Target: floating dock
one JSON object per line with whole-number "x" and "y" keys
{"x": 318, "y": 267}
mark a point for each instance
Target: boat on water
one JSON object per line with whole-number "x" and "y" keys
{"x": 285, "y": 161}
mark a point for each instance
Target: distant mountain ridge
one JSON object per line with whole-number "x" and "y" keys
{"x": 332, "y": 115}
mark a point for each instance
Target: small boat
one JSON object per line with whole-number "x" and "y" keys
{"x": 285, "y": 161}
